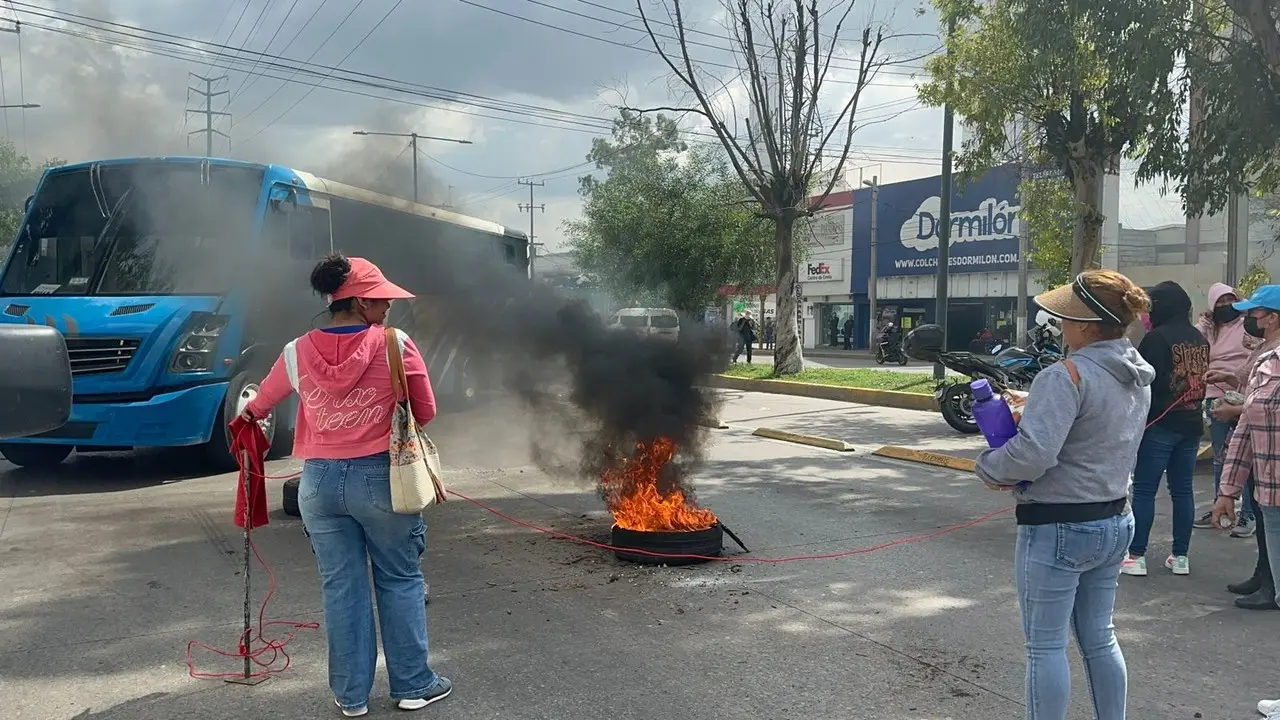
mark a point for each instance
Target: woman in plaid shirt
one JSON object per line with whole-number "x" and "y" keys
{"x": 1254, "y": 448}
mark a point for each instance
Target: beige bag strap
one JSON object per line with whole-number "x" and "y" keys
{"x": 395, "y": 361}
{"x": 1072, "y": 370}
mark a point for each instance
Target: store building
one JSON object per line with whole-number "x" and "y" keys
{"x": 825, "y": 271}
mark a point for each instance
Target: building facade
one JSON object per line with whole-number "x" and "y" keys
{"x": 983, "y": 264}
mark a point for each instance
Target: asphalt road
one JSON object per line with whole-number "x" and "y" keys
{"x": 111, "y": 565}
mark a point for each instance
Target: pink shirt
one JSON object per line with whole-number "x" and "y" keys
{"x": 1230, "y": 347}
{"x": 344, "y": 391}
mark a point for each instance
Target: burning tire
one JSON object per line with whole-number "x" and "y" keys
{"x": 707, "y": 543}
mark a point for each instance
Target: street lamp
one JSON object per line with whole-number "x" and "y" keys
{"x": 414, "y": 137}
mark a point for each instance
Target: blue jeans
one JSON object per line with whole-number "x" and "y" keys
{"x": 1066, "y": 576}
{"x": 1164, "y": 453}
{"x": 1219, "y": 434}
{"x": 346, "y": 506}
{"x": 1271, "y": 529}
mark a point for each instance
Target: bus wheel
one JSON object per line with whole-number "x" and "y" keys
{"x": 240, "y": 392}
{"x": 35, "y": 456}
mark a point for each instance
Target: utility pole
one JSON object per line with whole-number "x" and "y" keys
{"x": 533, "y": 246}
{"x": 208, "y": 111}
{"x": 944, "y": 221}
{"x": 413, "y": 143}
{"x": 874, "y": 184}
{"x": 1024, "y": 242}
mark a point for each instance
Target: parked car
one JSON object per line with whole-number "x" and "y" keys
{"x": 661, "y": 322}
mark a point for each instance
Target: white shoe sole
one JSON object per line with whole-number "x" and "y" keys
{"x": 419, "y": 704}
{"x": 358, "y": 712}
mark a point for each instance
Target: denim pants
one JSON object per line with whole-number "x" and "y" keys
{"x": 1066, "y": 576}
{"x": 346, "y": 506}
{"x": 1271, "y": 529}
{"x": 1219, "y": 434}
{"x": 1172, "y": 455}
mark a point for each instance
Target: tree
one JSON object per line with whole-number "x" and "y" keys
{"x": 1048, "y": 217}
{"x": 1088, "y": 79}
{"x": 1231, "y": 85}
{"x": 17, "y": 181}
{"x": 668, "y": 225}
{"x": 783, "y": 60}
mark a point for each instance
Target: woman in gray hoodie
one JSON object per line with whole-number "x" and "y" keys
{"x": 1068, "y": 468}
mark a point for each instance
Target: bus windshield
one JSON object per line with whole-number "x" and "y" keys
{"x": 148, "y": 228}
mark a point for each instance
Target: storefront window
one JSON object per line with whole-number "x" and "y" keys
{"x": 836, "y": 325}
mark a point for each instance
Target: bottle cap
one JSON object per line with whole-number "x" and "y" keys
{"x": 981, "y": 389}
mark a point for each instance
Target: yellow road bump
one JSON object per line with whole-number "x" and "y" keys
{"x": 951, "y": 462}
{"x": 812, "y": 440}
{"x": 1206, "y": 452}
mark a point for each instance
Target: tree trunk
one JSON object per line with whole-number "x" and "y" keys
{"x": 787, "y": 356}
{"x": 1087, "y": 238}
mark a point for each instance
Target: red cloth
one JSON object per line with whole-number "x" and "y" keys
{"x": 247, "y": 436}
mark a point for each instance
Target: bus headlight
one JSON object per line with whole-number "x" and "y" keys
{"x": 199, "y": 343}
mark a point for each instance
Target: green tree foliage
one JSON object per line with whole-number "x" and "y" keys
{"x": 669, "y": 225}
{"x": 1048, "y": 217}
{"x": 1254, "y": 277}
{"x": 1231, "y": 84}
{"x": 1079, "y": 82}
{"x": 18, "y": 179}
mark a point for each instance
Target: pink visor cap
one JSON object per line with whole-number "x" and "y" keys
{"x": 366, "y": 281}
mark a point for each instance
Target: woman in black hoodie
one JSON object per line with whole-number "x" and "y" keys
{"x": 1180, "y": 356}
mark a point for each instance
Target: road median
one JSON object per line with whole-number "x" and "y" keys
{"x": 864, "y": 396}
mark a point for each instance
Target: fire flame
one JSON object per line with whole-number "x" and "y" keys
{"x": 631, "y": 491}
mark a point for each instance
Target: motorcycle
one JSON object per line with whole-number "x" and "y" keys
{"x": 1011, "y": 369}
{"x": 890, "y": 349}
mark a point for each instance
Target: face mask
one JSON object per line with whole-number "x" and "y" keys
{"x": 1251, "y": 326}
{"x": 1225, "y": 314}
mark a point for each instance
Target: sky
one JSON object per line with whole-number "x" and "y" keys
{"x": 528, "y": 82}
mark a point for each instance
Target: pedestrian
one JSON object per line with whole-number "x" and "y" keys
{"x": 1068, "y": 468}
{"x": 1252, "y": 463}
{"x": 1229, "y": 349}
{"x": 1175, "y": 424}
{"x": 342, "y": 375}
{"x": 745, "y": 328}
{"x": 848, "y": 332}
{"x": 770, "y": 327}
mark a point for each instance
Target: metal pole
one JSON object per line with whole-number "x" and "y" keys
{"x": 944, "y": 223}
{"x": 414, "y": 141}
{"x": 247, "y": 677}
{"x": 872, "y": 275}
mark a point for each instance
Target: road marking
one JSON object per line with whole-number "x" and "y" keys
{"x": 812, "y": 440}
{"x": 952, "y": 462}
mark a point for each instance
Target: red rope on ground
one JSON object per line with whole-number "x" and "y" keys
{"x": 718, "y": 558}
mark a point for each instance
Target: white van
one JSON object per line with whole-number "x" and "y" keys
{"x": 662, "y": 322}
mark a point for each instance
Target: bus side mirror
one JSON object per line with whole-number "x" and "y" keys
{"x": 283, "y": 200}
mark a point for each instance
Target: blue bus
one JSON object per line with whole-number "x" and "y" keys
{"x": 176, "y": 281}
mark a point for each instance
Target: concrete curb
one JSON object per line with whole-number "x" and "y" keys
{"x": 811, "y": 440}
{"x": 864, "y": 396}
{"x": 951, "y": 462}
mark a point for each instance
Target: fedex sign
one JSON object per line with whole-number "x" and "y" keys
{"x": 820, "y": 271}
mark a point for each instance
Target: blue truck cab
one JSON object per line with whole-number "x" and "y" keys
{"x": 176, "y": 281}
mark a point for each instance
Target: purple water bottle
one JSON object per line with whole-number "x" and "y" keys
{"x": 992, "y": 414}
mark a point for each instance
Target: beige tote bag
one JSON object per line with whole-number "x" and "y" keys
{"x": 415, "y": 461}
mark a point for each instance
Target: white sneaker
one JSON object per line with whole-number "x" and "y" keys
{"x": 1179, "y": 564}
{"x": 352, "y": 712}
{"x": 1136, "y": 566}
{"x": 1268, "y": 707}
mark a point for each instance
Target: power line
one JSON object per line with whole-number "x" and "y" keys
{"x": 266, "y": 48}
{"x": 637, "y": 48}
{"x": 319, "y": 47}
{"x": 314, "y": 14}
{"x": 232, "y": 34}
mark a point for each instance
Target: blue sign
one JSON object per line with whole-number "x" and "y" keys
{"x": 984, "y": 226}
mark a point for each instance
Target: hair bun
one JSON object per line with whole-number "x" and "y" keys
{"x": 330, "y": 273}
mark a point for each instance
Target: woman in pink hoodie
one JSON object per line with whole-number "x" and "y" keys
{"x": 1229, "y": 349}
{"x": 343, "y": 381}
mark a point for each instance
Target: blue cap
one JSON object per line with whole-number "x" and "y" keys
{"x": 1266, "y": 297}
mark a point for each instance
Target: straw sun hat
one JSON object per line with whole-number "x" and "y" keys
{"x": 1075, "y": 301}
